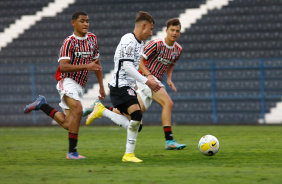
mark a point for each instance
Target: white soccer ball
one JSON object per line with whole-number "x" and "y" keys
{"x": 208, "y": 145}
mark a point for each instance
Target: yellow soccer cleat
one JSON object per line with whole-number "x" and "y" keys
{"x": 130, "y": 157}
{"x": 96, "y": 113}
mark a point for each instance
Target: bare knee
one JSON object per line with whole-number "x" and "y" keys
{"x": 168, "y": 104}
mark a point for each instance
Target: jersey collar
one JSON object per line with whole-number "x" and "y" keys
{"x": 80, "y": 38}
{"x": 136, "y": 38}
{"x": 167, "y": 44}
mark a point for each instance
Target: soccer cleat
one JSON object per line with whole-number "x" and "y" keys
{"x": 88, "y": 110}
{"x": 96, "y": 113}
{"x": 35, "y": 105}
{"x": 74, "y": 155}
{"x": 172, "y": 144}
{"x": 130, "y": 157}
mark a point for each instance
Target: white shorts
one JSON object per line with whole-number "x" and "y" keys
{"x": 146, "y": 93}
{"x": 70, "y": 88}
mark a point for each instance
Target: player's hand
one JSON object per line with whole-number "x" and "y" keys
{"x": 95, "y": 61}
{"x": 151, "y": 77}
{"x": 153, "y": 84}
{"x": 94, "y": 66}
{"x": 102, "y": 94}
{"x": 171, "y": 85}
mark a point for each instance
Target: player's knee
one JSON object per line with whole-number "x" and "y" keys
{"x": 136, "y": 115}
{"x": 168, "y": 104}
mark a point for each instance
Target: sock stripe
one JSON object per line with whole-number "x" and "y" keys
{"x": 52, "y": 113}
{"x": 166, "y": 129}
{"x": 73, "y": 136}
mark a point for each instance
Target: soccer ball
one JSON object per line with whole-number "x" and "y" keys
{"x": 208, "y": 145}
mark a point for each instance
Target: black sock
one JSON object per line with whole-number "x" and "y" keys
{"x": 168, "y": 133}
{"x": 47, "y": 109}
{"x": 110, "y": 108}
{"x": 72, "y": 142}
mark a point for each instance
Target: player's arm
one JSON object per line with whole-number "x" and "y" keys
{"x": 143, "y": 68}
{"x": 66, "y": 66}
{"x": 130, "y": 70}
{"x": 169, "y": 81}
{"x": 99, "y": 76}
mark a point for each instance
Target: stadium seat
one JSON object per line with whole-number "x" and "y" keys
{"x": 233, "y": 39}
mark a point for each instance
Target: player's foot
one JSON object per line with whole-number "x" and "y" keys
{"x": 74, "y": 155}
{"x": 96, "y": 113}
{"x": 35, "y": 105}
{"x": 130, "y": 157}
{"x": 172, "y": 144}
{"x": 88, "y": 110}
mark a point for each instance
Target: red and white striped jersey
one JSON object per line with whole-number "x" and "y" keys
{"x": 159, "y": 56}
{"x": 79, "y": 50}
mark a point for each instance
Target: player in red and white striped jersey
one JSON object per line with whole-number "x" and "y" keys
{"x": 159, "y": 58}
{"x": 78, "y": 50}
{"x": 78, "y": 56}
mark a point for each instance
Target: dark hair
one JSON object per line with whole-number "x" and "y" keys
{"x": 141, "y": 15}
{"x": 173, "y": 22}
{"x": 76, "y": 14}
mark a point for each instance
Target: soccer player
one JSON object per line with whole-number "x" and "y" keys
{"x": 122, "y": 93}
{"x": 78, "y": 56}
{"x": 158, "y": 59}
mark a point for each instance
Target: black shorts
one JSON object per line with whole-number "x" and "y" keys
{"x": 123, "y": 97}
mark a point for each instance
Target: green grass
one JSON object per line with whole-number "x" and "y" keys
{"x": 248, "y": 154}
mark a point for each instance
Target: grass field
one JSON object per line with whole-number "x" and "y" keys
{"x": 248, "y": 154}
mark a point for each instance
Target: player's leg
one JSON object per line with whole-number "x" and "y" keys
{"x": 125, "y": 100}
{"x": 73, "y": 118}
{"x": 41, "y": 104}
{"x": 132, "y": 131}
{"x": 59, "y": 117}
{"x": 165, "y": 101}
{"x": 100, "y": 110}
{"x": 71, "y": 97}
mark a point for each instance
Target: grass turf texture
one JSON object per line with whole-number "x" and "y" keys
{"x": 248, "y": 154}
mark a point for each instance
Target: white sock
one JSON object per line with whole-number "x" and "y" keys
{"x": 118, "y": 119}
{"x": 132, "y": 132}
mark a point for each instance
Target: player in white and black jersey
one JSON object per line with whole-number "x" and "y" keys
{"x": 122, "y": 86}
{"x": 79, "y": 54}
{"x": 158, "y": 59}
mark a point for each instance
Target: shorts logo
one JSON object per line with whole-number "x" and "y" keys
{"x": 131, "y": 92}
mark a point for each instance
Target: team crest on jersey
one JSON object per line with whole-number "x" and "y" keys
{"x": 173, "y": 55}
{"x": 90, "y": 43}
{"x": 131, "y": 92}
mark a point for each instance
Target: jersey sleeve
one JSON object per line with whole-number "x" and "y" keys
{"x": 66, "y": 50}
{"x": 96, "y": 53}
{"x": 178, "y": 55}
{"x": 150, "y": 49}
{"x": 127, "y": 49}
